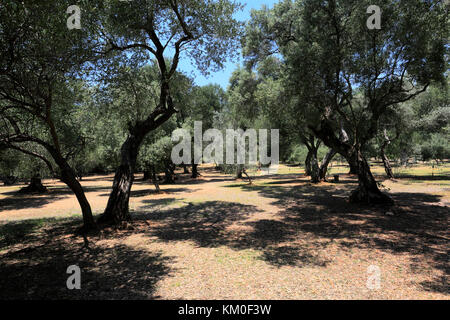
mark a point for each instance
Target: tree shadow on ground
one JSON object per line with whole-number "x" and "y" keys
{"x": 419, "y": 226}
{"x": 17, "y": 201}
{"x": 157, "y": 203}
{"x": 38, "y": 271}
{"x": 215, "y": 223}
{"x": 311, "y": 218}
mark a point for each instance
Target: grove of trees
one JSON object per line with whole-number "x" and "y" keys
{"x": 106, "y": 98}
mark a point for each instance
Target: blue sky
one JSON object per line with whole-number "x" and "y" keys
{"x": 223, "y": 76}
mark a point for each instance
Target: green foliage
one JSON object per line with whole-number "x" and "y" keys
{"x": 300, "y": 152}
{"x": 436, "y": 148}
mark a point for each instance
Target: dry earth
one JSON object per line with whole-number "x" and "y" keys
{"x": 218, "y": 238}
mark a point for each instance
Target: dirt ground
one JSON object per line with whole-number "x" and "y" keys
{"x": 219, "y": 238}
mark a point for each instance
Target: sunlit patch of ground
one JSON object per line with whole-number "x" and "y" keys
{"x": 217, "y": 238}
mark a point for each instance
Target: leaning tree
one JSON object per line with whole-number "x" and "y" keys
{"x": 353, "y": 74}
{"x": 39, "y": 58}
{"x": 204, "y": 31}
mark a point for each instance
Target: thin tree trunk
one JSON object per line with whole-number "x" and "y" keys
{"x": 154, "y": 178}
{"x": 194, "y": 171}
{"x": 185, "y": 168}
{"x": 69, "y": 178}
{"x": 387, "y": 164}
{"x": 147, "y": 175}
{"x": 248, "y": 177}
{"x": 168, "y": 175}
{"x": 239, "y": 169}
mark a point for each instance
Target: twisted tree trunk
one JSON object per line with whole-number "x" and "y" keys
{"x": 367, "y": 191}
{"x": 117, "y": 208}
{"x": 315, "y": 171}
{"x": 324, "y": 166}
{"x": 308, "y": 164}
{"x": 387, "y": 165}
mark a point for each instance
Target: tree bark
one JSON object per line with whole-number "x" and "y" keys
{"x": 168, "y": 175}
{"x": 353, "y": 167}
{"x": 367, "y": 191}
{"x": 35, "y": 186}
{"x": 315, "y": 171}
{"x": 247, "y": 175}
{"x": 194, "y": 171}
{"x": 311, "y": 162}
{"x": 387, "y": 164}
{"x": 117, "y": 209}
{"x": 147, "y": 175}
{"x": 324, "y": 166}
{"x": 68, "y": 177}
{"x": 308, "y": 164}
{"x": 239, "y": 171}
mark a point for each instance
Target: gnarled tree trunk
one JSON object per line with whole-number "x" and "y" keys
{"x": 117, "y": 208}
{"x": 324, "y": 166}
{"x": 311, "y": 162}
{"x": 308, "y": 164}
{"x": 315, "y": 171}
{"x": 367, "y": 191}
{"x": 387, "y": 165}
